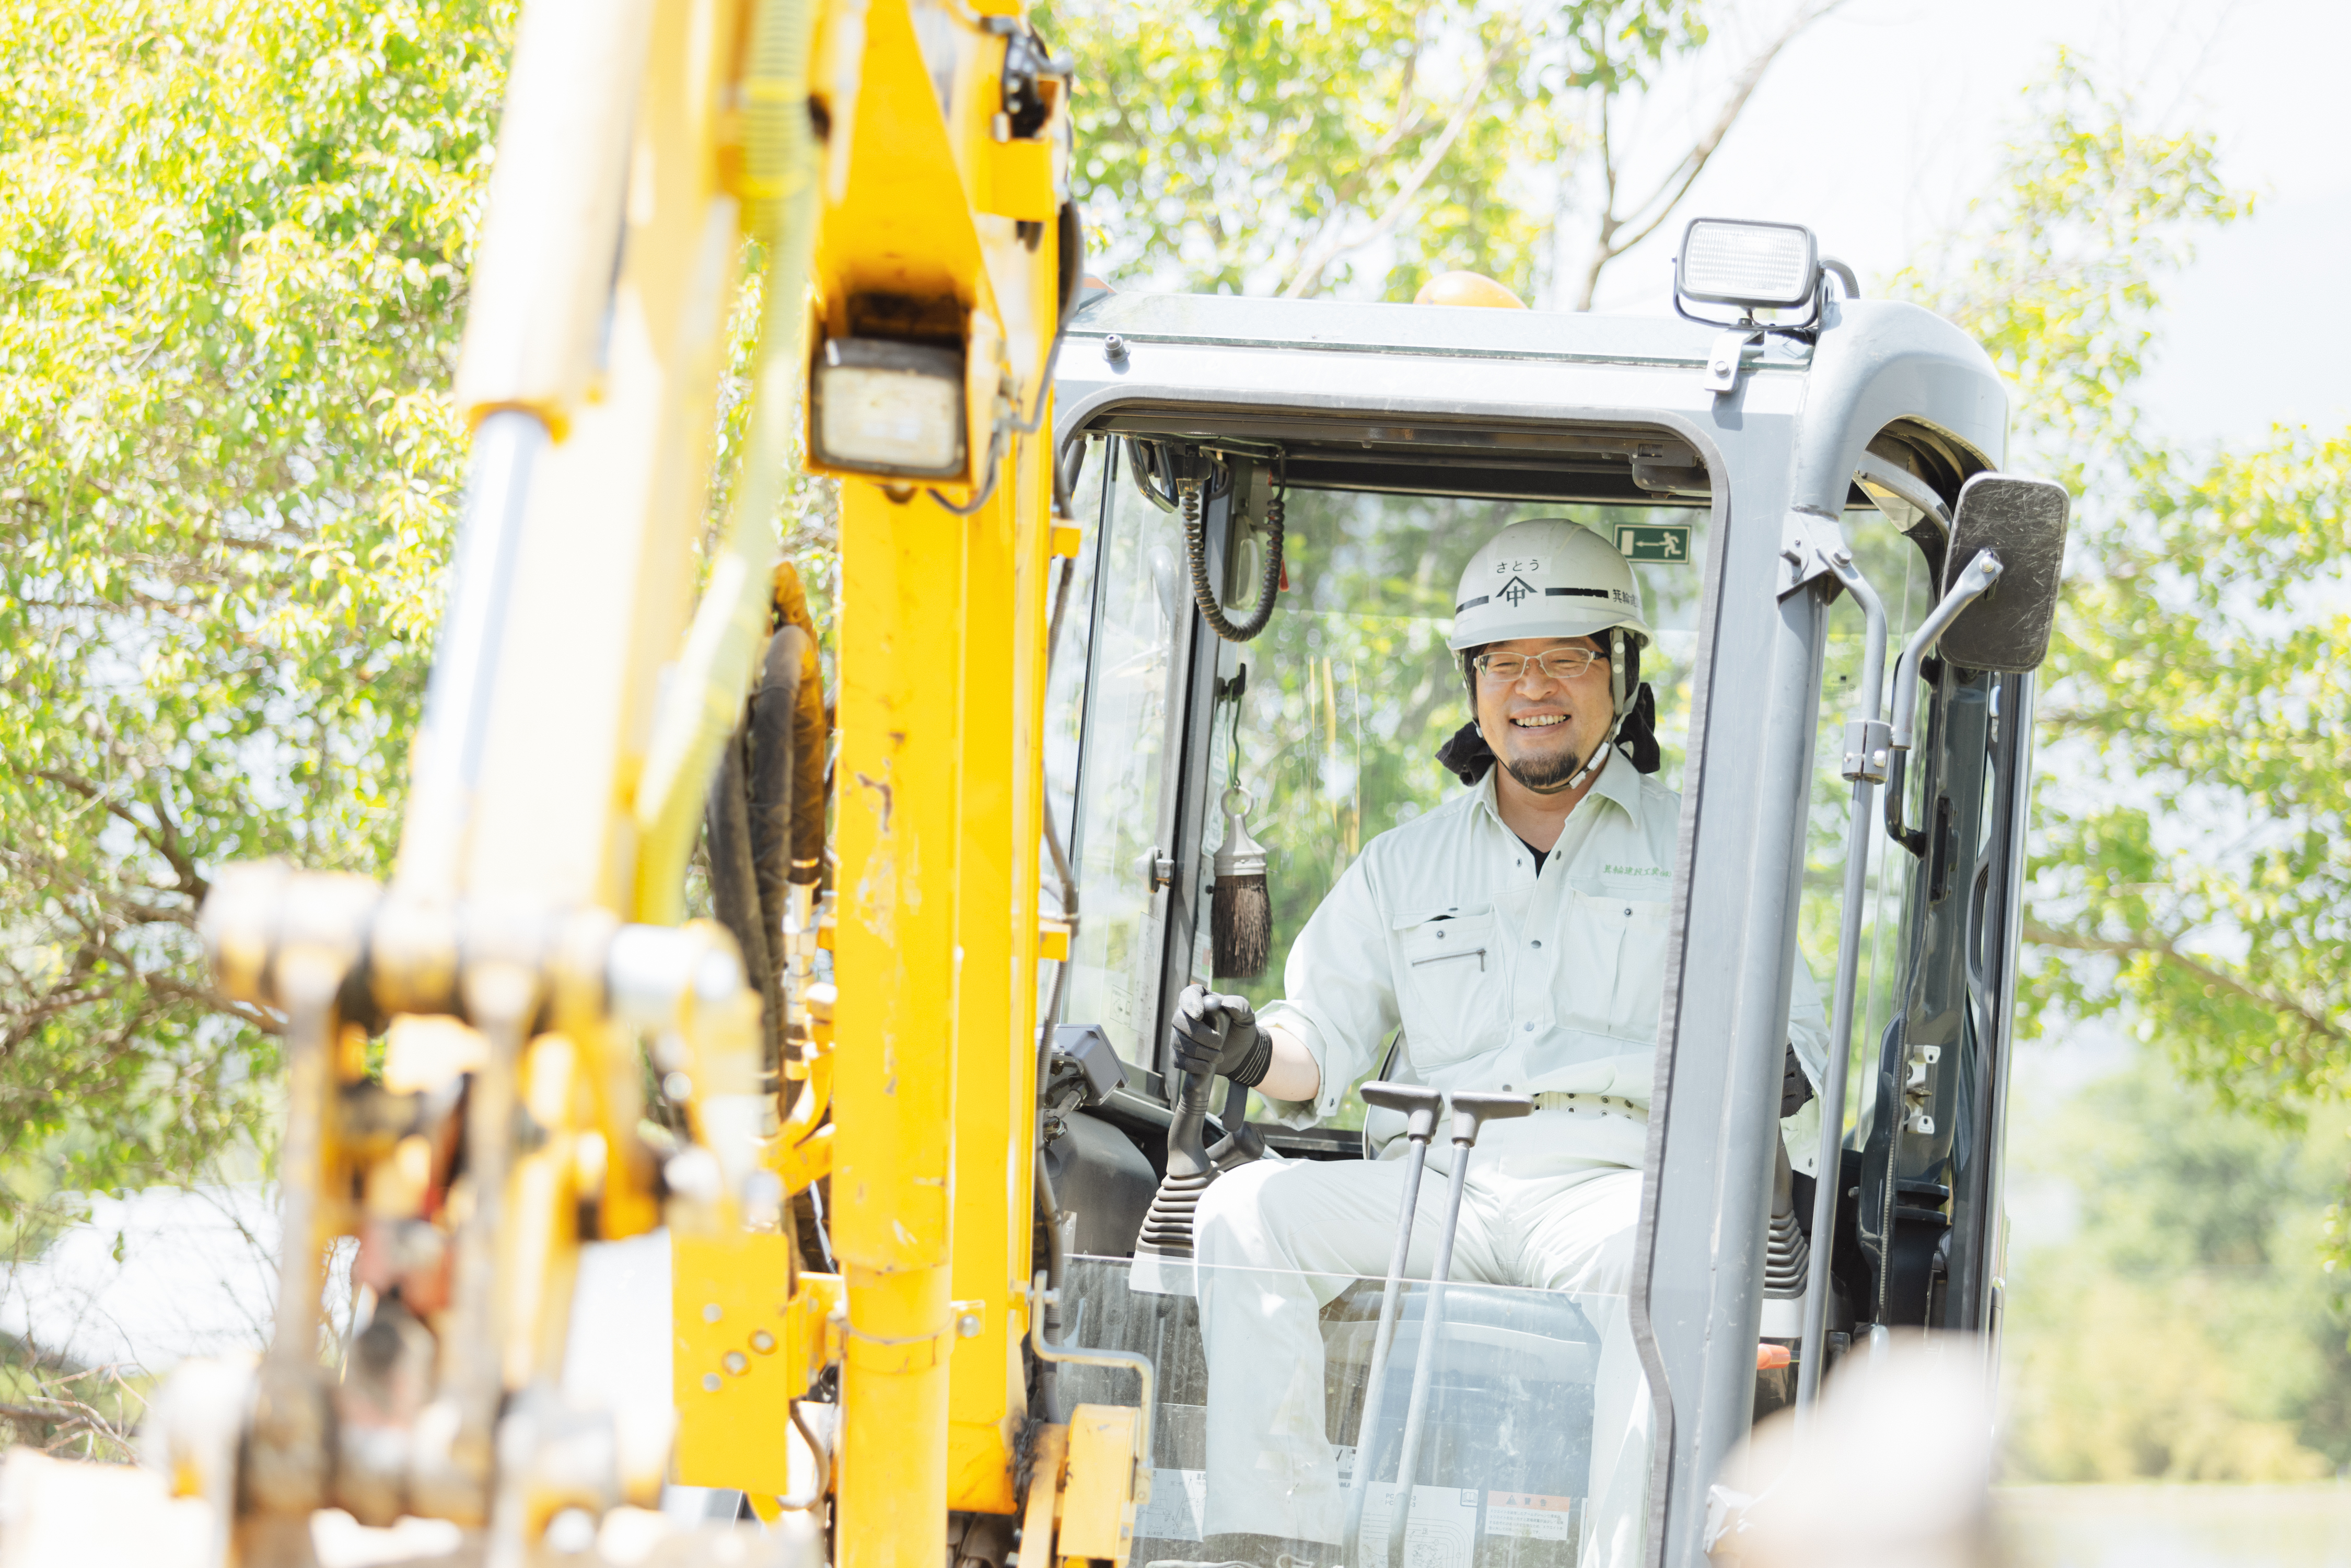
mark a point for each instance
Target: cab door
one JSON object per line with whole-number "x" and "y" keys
{"x": 1929, "y": 1144}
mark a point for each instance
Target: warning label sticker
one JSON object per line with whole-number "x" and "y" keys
{"x": 1530, "y": 1516}
{"x": 1442, "y": 1531}
{"x": 1179, "y": 1500}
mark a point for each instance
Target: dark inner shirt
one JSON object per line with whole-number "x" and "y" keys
{"x": 1541, "y": 856}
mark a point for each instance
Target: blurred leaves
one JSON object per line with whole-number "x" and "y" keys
{"x": 2190, "y": 862}
{"x": 2190, "y": 877}
{"x": 1361, "y": 146}
{"x": 233, "y": 242}
{"x": 2186, "y": 1331}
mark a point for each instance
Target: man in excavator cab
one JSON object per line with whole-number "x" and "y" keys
{"x": 1511, "y": 941}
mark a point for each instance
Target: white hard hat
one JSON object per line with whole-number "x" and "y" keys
{"x": 1545, "y": 577}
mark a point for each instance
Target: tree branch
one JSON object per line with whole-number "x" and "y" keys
{"x": 1310, "y": 276}
{"x": 1677, "y": 180}
{"x": 266, "y": 1019}
{"x": 2165, "y": 948}
{"x": 162, "y": 836}
{"x": 1410, "y": 118}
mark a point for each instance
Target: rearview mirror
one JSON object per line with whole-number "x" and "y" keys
{"x": 2022, "y": 521}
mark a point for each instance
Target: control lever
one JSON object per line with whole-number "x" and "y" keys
{"x": 1469, "y": 1113}
{"x": 1166, "y": 1235}
{"x": 1241, "y": 1143}
{"x": 1421, "y": 1107}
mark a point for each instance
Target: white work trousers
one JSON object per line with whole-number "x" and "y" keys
{"x": 1277, "y": 1240}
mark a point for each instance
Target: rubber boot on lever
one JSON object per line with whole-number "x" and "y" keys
{"x": 1163, "y": 1252}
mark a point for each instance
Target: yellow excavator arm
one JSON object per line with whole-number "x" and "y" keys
{"x": 565, "y": 1059}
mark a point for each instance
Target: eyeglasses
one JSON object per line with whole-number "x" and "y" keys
{"x": 1559, "y": 663}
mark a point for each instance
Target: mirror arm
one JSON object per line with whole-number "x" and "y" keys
{"x": 1873, "y": 634}
{"x": 1981, "y": 573}
{"x": 1875, "y": 470}
{"x": 1909, "y": 837}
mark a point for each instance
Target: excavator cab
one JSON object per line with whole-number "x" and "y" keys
{"x": 1275, "y": 500}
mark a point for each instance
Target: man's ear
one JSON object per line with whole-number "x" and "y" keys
{"x": 1478, "y": 718}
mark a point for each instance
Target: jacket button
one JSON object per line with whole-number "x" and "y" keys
{"x": 1536, "y": 943}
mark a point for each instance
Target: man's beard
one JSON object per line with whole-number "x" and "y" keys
{"x": 1546, "y": 775}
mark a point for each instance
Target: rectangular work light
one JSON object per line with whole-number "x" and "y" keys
{"x": 1757, "y": 265}
{"x": 889, "y": 408}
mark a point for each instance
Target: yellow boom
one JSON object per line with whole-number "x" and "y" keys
{"x": 905, "y": 171}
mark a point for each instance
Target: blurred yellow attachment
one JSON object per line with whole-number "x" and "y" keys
{"x": 1468, "y": 288}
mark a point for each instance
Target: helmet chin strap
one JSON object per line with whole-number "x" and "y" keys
{"x": 1622, "y": 701}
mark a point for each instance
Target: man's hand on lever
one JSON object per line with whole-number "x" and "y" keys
{"x": 1794, "y": 1087}
{"x": 1220, "y": 1034}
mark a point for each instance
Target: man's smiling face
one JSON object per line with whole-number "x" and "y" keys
{"x": 1543, "y": 729}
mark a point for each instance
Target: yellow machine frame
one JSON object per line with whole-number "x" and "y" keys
{"x": 528, "y": 949}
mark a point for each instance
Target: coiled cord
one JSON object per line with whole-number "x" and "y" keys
{"x": 1196, "y": 551}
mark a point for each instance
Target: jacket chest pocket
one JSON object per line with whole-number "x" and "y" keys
{"x": 1622, "y": 938}
{"x": 1451, "y": 975}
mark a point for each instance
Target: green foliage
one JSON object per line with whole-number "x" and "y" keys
{"x": 233, "y": 244}
{"x": 2205, "y": 661}
{"x": 2194, "y": 710}
{"x": 2056, "y": 272}
{"x": 2188, "y": 1331}
{"x": 1262, "y": 146}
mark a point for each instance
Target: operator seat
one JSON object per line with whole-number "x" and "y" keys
{"x": 1511, "y": 1396}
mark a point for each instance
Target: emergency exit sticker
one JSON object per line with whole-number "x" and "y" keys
{"x": 1654, "y": 541}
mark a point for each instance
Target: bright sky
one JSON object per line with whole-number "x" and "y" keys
{"x": 1876, "y": 127}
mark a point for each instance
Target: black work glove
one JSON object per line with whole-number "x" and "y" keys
{"x": 1219, "y": 1035}
{"x": 1794, "y": 1087}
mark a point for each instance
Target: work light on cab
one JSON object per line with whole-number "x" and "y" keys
{"x": 889, "y": 408}
{"x": 1755, "y": 266}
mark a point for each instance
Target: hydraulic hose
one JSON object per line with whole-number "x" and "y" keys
{"x": 736, "y": 876}
{"x": 1061, "y": 871}
{"x": 800, "y": 1502}
{"x": 706, "y": 701}
{"x": 778, "y": 768}
{"x": 1055, "y": 1257}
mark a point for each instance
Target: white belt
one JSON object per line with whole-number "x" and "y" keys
{"x": 1591, "y": 1105}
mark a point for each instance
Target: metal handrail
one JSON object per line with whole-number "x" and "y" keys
{"x": 1865, "y": 764}
{"x": 1041, "y": 1299}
